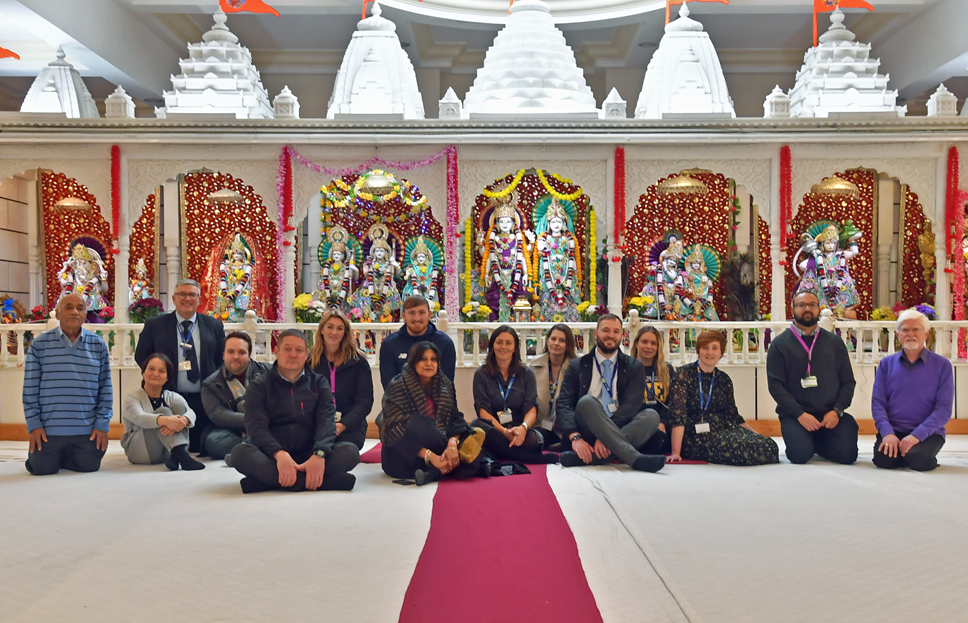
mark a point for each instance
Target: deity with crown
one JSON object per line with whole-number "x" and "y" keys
{"x": 138, "y": 286}
{"x": 505, "y": 270}
{"x": 697, "y": 286}
{"x": 665, "y": 283}
{"x": 234, "y": 281}
{"x": 825, "y": 270}
{"x": 558, "y": 271}
{"x": 378, "y": 293}
{"x": 339, "y": 269}
{"x": 84, "y": 273}
{"x": 422, "y": 274}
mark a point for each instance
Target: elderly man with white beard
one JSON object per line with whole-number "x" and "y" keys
{"x": 913, "y": 395}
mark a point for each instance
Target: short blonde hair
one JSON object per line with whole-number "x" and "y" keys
{"x": 912, "y": 314}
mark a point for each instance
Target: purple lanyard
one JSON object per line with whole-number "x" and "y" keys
{"x": 332, "y": 382}
{"x": 804, "y": 344}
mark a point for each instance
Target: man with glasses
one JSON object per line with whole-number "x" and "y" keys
{"x": 913, "y": 395}
{"x": 812, "y": 382}
{"x": 194, "y": 342}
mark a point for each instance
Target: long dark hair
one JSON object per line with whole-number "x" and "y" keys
{"x": 569, "y": 339}
{"x": 169, "y": 367}
{"x": 490, "y": 363}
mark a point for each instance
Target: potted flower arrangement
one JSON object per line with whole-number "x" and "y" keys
{"x": 307, "y": 309}
{"x": 142, "y": 309}
{"x": 641, "y": 304}
{"x": 590, "y": 313}
{"x": 475, "y": 312}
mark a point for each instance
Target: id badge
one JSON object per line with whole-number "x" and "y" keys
{"x": 808, "y": 381}
{"x": 185, "y": 366}
{"x": 504, "y": 416}
{"x": 339, "y": 416}
{"x": 612, "y": 407}
{"x": 702, "y": 428}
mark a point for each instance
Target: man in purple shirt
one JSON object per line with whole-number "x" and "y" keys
{"x": 913, "y": 394}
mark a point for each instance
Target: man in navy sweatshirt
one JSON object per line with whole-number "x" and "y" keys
{"x": 417, "y": 328}
{"x": 913, "y": 395}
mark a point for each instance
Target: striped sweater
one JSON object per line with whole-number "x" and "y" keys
{"x": 67, "y": 387}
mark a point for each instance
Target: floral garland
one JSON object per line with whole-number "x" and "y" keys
{"x": 468, "y": 261}
{"x": 506, "y": 191}
{"x": 453, "y": 218}
{"x": 115, "y": 198}
{"x": 593, "y": 255}
{"x": 619, "y": 196}
{"x": 574, "y": 273}
{"x": 554, "y": 193}
{"x": 284, "y": 205}
{"x": 342, "y": 195}
{"x": 786, "y": 199}
{"x": 951, "y": 203}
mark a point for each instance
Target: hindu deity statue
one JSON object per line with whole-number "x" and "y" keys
{"x": 664, "y": 284}
{"x": 422, "y": 272}
{"x": 378, "y": 293}
{"x": 505, "y": 251}
{"x": 84, "y": 273}
{"x": 558, "y": 271}
{"x": 234, "y": 281}
{"x": 339, "y": 269}
{"x": 697, "y": 288}
{"x": 825, "y": 270}
{"x": 138, "y": 286}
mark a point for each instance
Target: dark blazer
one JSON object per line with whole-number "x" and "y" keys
{"x": 578, "y": 378}
{"x": 353, "y": 391}
{"x": 160, "y": 336}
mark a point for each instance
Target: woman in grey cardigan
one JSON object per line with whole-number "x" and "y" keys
{"x": 549, "y": 368}
{"x": 156, "y": 421}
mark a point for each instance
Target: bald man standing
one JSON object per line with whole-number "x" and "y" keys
{"x": 67, "y": 394}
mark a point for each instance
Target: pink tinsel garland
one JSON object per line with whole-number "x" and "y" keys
{"x": 284, "y": 184}
{"x": 115, "y": 198}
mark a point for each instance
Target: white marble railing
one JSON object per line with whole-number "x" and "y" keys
{"x": 869, "y": 341}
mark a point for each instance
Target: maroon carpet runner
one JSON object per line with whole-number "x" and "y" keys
{"x": 499, "y": 549}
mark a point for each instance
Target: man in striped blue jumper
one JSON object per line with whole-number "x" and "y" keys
{"x": 67, "y": 394}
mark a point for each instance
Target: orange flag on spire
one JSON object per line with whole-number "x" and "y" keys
{"x": 252, "y": 6}
{"x": 669, "y": 4}
{"x": 5, "y": 53}
{"x": 825, "y": 6}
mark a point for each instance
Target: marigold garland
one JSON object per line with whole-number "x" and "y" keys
{"x": 554, "y": 193}
{"x": 507, "y": 191}
{"x": 468, "y": 261}
{"x": 593, "y": 248}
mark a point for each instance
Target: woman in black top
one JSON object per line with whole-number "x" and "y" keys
{"x": 336, "y": 358}
{"x": 506, "y": 399}
{"x": 647, "y": 347}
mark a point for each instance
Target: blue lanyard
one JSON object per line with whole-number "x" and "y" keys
{"x": 186, "y": 338}
{"x": 703, "y": 402}
{"x": 505, "y": 391}
{"x": 607, "y": 384}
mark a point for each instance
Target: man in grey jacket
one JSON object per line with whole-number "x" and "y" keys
{"x": 223, "y": 394}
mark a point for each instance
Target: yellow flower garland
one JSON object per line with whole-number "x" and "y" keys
{"x": 507, "y": 191}
{"x": 554, "y": 193}
{"x": 593, "y": 251}
{"x": 468, "y": 254}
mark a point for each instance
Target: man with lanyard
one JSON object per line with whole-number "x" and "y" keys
{"x": 194, "y": 343}
{"x": 599, "y": 405}
{"x": 812, "y": 382}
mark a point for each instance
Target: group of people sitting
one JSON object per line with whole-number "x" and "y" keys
{"x": 300, "y": 423}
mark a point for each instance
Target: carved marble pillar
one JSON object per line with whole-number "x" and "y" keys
{"x": 778, "y": 304}
{"x": 289, "y": 295}
{"x": 942, "y": 297}
{"x": 121, "y": 294}
{"x": 883, "y": 293}
{"x": 615, "y": 294}
{"x": 34, "y": 255}
{"x": 172, "y": 230}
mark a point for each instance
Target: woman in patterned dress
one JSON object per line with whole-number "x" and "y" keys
{"x": 706, "y": 426}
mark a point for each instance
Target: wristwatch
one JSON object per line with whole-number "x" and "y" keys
{"x": 574, "y": 437}
{"x": 321, "y": 454}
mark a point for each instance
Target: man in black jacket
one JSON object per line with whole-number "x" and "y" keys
{"x": 193, "y": 342}
{"x": 223, "y": 394}
{"x": 417, "y": 328}
{"x": 598, "y": 405}
{"x": 291, "y": 423}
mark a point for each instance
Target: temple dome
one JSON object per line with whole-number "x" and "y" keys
{"x": 59, "y": 88}
{"x": 376, "y": 76}
{"x": 530, "y": 70}
{"x": 684, "y": 75}
{"x": 218, "y": 77}
{"x": 838, "y": 75}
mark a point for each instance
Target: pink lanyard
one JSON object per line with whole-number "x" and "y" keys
{"x": 804, "y": 344}
{"x": 332, "y": 382}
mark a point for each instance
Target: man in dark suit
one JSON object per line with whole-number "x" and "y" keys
{"x": 194, "y": 342}
{"x": 599, "y": 401}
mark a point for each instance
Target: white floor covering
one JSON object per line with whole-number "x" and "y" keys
{"x": 693, "y": 543}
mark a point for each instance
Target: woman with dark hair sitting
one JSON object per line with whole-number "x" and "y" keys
{"x": 647, "y": 347}
{"x": 424, "y": 436}
{"x": 706, "y": 426}
{"x": 505, "y": 399}
{"x": 336, "y": 357}
{"x": 156, "y": 421}
{"x": 549, "y": 368}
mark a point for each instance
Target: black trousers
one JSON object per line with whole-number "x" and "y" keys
{"x": 219, "y": 442}
{"x": 658, "y": 443}
{"x": 77, "y": 453}
{"x": 401, "y": 461}
{"x": 355, "y": 437}
{"x": 837, "y": 444}
{"x": 252, "y": 462}
{"x": 498, "y": 446}
{"x": 923, "y": 457}
{"x": 197, "y": 433}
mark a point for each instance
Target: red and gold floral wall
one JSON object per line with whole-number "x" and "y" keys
{"x": 765, "y": 262}
{"x": 208, "y": 228}
{"x": 913, "y": 283}
{"x": 143, "y": 243}
{"x": 64, "y": 226}
{"x": 815, "y": 207}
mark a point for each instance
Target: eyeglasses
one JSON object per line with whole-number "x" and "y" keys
{"x": 191, "y": 296}
{"x": 806, "y": 306}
